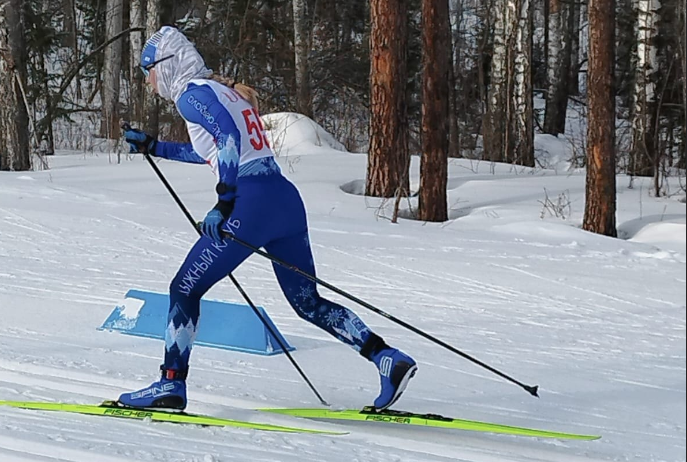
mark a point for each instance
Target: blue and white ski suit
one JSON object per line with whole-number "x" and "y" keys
{"x": 226, "y": 132}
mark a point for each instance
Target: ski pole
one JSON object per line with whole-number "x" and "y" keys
{"x": 529, "y": 388}
{"x": 188, "y": 215}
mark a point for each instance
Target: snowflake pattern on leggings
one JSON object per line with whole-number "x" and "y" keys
{"x": 339, "y": 321}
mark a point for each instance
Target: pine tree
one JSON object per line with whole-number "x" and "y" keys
{"x": 600, "y": 204}
{"x": 436, "y": 46}
{"x": 388, "y": 157}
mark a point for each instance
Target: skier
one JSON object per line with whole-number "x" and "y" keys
{"x": 255, "y": 202}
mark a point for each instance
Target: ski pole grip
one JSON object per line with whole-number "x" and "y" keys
{"x": 127, "y": 126}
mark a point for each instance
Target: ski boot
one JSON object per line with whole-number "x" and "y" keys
{"x": 167, "y": 393}
{"x": 395, "y": 370}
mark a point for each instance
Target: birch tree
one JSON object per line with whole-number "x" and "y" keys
{"x": 523, "y": 117}
{"x": 558, "y": 65}
{"x": 388, "y": 158}
{"x": 112, "y": 68}
{"x": 436, "y": 46}
{"x": 508, "y": 135}
{"x": 14, "y": 121}
{"x": 301, "y": 42}
{"x": 496, "y": 134}
{"x": 600, "y": 203}
{"x": 644, "y": 152}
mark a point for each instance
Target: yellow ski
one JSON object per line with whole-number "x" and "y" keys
{"x": 112, "y": 409}
{"x": 368, "y": 414}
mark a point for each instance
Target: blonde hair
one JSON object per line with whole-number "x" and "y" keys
{"x": 246, "y": 92}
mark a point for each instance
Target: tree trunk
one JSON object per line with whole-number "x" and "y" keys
{"x": 523, "y": 114}
{"x": 112, "y": 68}
{"x": 547, "y": 38}
{"x": 557, "y": 66}
{"x": 388, "y": 157}
{"x": 454, "y": 147}
{"x": 495, "y": 134}
{"x": 484, "y": 61}
{"x": 301, "y": 42}
{"x": 69, "y": 52}
{"x": 152, "y": 106}
{"x": 574, "y": 34}
{"x": 509, "y": 126}
{"x": 70, "y": 27}
{"x": 454, "y": 137}
{"x": 600, "y": 203}
{"x": 626, "y": 40}
{"x": 644, "y": 150}
{"x": 436, "y": 46}
{"x": 136, "y": 19}
{"x": 14, "y": 120}
{"x": 683, "y": 53}
{"x": 46, "y": 138}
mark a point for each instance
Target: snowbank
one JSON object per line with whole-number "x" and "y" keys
{"x": 290, "y": 133}
{"x": 664, "y": 232}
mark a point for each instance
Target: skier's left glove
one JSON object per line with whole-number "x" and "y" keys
{"x": 216, "y": 218}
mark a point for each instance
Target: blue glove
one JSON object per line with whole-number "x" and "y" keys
{"x": 139, "y": 141}
{"x": 215, "y": 220}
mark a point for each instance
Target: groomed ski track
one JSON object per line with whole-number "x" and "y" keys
{"x": 598, "y": 323}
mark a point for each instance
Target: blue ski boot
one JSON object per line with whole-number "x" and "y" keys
{"x": 395, "y": 370}
{"x": 168, "y": 393}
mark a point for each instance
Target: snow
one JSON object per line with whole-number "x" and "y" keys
{"x": 288, "y": 131}
{"x": 656, "y": 230}
{"x": 511, "y": 279}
